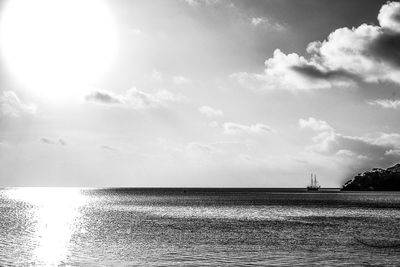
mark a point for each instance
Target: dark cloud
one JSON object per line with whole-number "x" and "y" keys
{"x": 315, "y": 73}
{"x": 386, "y": 47}
{"x": 103, "y": 97}
{"x": 396, "y": 17}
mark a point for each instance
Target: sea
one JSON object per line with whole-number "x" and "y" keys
{"x": 198, "y": 227}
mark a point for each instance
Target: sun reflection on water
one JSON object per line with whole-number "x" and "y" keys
{"x": 55, "y": 210}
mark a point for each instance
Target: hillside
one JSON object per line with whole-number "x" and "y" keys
{"x": 375, "y": 180}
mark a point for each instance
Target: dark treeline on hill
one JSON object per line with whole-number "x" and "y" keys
{"x": 376, "y": 179}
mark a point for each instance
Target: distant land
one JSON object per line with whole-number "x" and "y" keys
{"x": 375, "y": 180}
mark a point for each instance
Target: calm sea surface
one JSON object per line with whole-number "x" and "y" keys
{"x": 92, "y": 227}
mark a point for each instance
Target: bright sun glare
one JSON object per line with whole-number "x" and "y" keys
{"x": 56, "y": 47}
{"x": 55, "y": 210}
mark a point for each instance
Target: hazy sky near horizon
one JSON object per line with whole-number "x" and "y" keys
{"x": 197, "y": 92}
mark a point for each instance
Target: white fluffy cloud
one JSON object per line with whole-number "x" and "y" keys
{"x": 385, "y": 103}
{"x": 366, "y": 53}
{"x": 211, "y": 112}
{"x": 236, "y": 128}
{"x": 316, "y": 125}
{"x": 363, "y": 151}
{"x": 134, "y": 98}
{"x": 11, "y": 105}
{"x": 280, "y": 73}
{"x": 267, "y": 23}
{"x": 388, "y": 16}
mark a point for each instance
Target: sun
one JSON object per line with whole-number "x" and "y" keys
{"x": 57, "y": 47}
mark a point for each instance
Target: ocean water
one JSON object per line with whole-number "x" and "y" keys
{"x": 160, "y": 227}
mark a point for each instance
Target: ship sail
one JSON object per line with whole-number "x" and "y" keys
{"x": 314, "y": 183}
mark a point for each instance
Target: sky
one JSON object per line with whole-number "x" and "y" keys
{"x": 217, "y": 93}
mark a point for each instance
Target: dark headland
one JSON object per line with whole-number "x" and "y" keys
{"x": 375, "y": 180}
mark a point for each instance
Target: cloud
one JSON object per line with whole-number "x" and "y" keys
{"x": 106, "y": 147}
{"x": 201, "y": 2}
{"x": 211, "y": 112}
{"x": 192, "y": 2}
{"x": 104, "y": 97}
{"x": 135, "y": 31}
{"x": 395, "y": 152}
{"x": 384, "y": 139}
{"x": 281, "y": 73}
{"x": 385, "y": 103}
{"x": 157, "y": 75}
{"x": 358, "y": 152}
{"x": 49, "y": 141}
{"x": 134, "y": 98}
{"x": 180, "y": 80}
{"x": 11, "y": 105}
{"x": 213, "y": 124}
{"x": 266, "y": 22}
{"x": 345, "y": 152}
{"x": 236, "y": 128}
{"x": 367, "y": 53}
{"x": 314, "y": 124}
{"x": 198, "y": 148}
{"x": 389, "y": 16}
{"x": 257, "y": 21}
{"x": 326, "y": 135}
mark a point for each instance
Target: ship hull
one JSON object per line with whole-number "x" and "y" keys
{"x": 312, "y": 188}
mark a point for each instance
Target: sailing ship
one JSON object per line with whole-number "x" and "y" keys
{"x": 314, "y": 186}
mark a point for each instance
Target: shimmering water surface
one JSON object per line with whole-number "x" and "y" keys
{"x": 145, "y": 227}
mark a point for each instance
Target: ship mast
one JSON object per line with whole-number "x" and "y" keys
{"x": 314, "y": 183}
